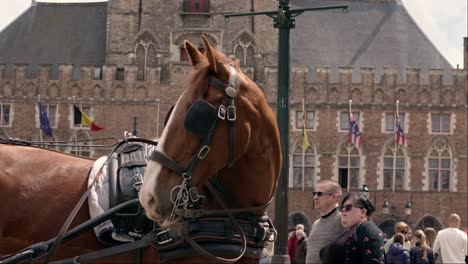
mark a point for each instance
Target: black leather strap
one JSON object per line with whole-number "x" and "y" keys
{"x": 161, "y": 158}
{"x": 107, "y": 252}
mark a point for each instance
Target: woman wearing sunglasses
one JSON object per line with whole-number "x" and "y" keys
{"x": 362, "y": 242}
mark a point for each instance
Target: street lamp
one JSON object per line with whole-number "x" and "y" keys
{"x": 386, "y": 207}
{"x": 364, "y": 191}
{"x": 408, "y": 207}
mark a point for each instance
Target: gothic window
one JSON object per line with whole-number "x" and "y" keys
{"x": 348, "y": 166}
{"x": 309, "y": 122}
{"x": 51, "y": 110}
{"x": 440, "y": 166}
{"x": 394, "y": 168}
{"x": 344, "y": 120}
{"x": 440, "y": 123}
{"x": 196, "y": 6}
{"x": 5, "y": 114}
{"x": 303, "y": 164}
{"x": 145, "y": 51}
{"x": 390, "y": 122}
{"x": 245, "y": 51}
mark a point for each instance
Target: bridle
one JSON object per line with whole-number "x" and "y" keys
{"x": 202, "y": 119}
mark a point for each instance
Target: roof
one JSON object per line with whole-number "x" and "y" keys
{"x": 56, "y": 33}
{"x": 374, "y": 33}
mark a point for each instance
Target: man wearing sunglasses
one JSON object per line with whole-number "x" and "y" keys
{"x": 328, "y": 226}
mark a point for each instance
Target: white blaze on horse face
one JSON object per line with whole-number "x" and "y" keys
{"x": 148, "y": 197}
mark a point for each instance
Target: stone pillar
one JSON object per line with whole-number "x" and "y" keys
{"x": 43, "y": 77}
{"x": 65, "y": 74}
{"x": 368, "y": 82}
{"x": 108, "y": 73}
{"x": 390, "y": 84}
{"x": 413, "y": 80}
{"x": 345, "y": 79}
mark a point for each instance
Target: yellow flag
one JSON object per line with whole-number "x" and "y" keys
{"x": 305, "y": 139}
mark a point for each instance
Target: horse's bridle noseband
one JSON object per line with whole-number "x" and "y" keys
{"x": 187, "y": 194}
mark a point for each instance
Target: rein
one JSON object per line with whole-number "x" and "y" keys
{"x": 72, "y": 143}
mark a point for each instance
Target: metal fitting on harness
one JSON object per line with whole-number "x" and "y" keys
{"x": 162, "y": 237}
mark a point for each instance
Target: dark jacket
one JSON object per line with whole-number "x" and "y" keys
{"x": 416, "y": 255}
{"x": 397, "y": 254}
{"x": 301, "y": 251}
{"x": 363, "y": 245}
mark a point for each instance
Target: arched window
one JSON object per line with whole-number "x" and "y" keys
{"x": 349, "y": 166}
{"x": 440, "y": 165}
{"x": 394, "y": 169}
{"x": 145, "y": 51}
{"x": 303, "y": 164}
{"x": 244, "y": 49}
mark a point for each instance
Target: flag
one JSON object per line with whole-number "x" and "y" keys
{"x": 82, "y": 118}
{"x": 44, "y": 120}
{"x": 354, "y": 133}
{"x": 400, "y": 138}
{"x": 305, "y": 139}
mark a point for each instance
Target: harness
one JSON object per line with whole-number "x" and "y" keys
{"x": 211, "y": 233}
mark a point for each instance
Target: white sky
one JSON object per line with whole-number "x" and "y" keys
{"x": 443, "y": 21}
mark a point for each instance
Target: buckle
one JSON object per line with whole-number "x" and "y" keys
{"x": 193, "y": 193}
{"x": 203, "y": 151}
{"x": 222, "y": 112}
{"x": 137, "y": 181}
{"x": 231, "y": 113}
{"x": 158, "y": 235}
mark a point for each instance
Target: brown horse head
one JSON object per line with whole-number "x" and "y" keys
{"x": 222, "y": 127}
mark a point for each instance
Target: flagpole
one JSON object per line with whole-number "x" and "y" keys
{"x": 40, "y": 130}
{"x": 349, "y": 154}
{"x": 74, "y": 129}
{"x": 396, "y": 148}
{"x": 303, "y": 147}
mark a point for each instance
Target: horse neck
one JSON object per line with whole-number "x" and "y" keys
{"x": 252, "y": 180}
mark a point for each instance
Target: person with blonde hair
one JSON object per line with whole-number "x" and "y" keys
{"x": 431, "y": 234}
{"x": 404, "y": 229}
{"x": 451, "y": 243}
{"x": 421, "y": 253}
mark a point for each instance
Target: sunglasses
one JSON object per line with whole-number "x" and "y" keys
{"x": 348, "y": 207}
{"x": 404, "y": 232}
{"x": 321, "y": 193}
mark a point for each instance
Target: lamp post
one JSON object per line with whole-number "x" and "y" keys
{"x": 283, "y": 19}
{"x": 364, "y": 191}
{"x": 386, "y": 208}
{"x": 408, "y": 208}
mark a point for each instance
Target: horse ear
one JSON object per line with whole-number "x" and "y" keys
{"x": 212, "y": 55}
{"x": 194, "y": 54}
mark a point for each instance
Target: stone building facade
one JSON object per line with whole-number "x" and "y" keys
{"x": 143, "y": 68}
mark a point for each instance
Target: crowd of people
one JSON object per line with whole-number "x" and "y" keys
{"x": 344, "y": 233}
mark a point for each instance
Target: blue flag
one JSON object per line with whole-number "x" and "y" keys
{"x": 44, "y": 120}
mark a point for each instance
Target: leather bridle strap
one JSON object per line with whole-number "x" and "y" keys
{"x": 107, "y": 252}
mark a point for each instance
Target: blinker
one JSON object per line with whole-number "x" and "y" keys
{"x": 200, "y": 118}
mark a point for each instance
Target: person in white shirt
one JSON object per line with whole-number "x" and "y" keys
{"x": 451, "y": 243}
